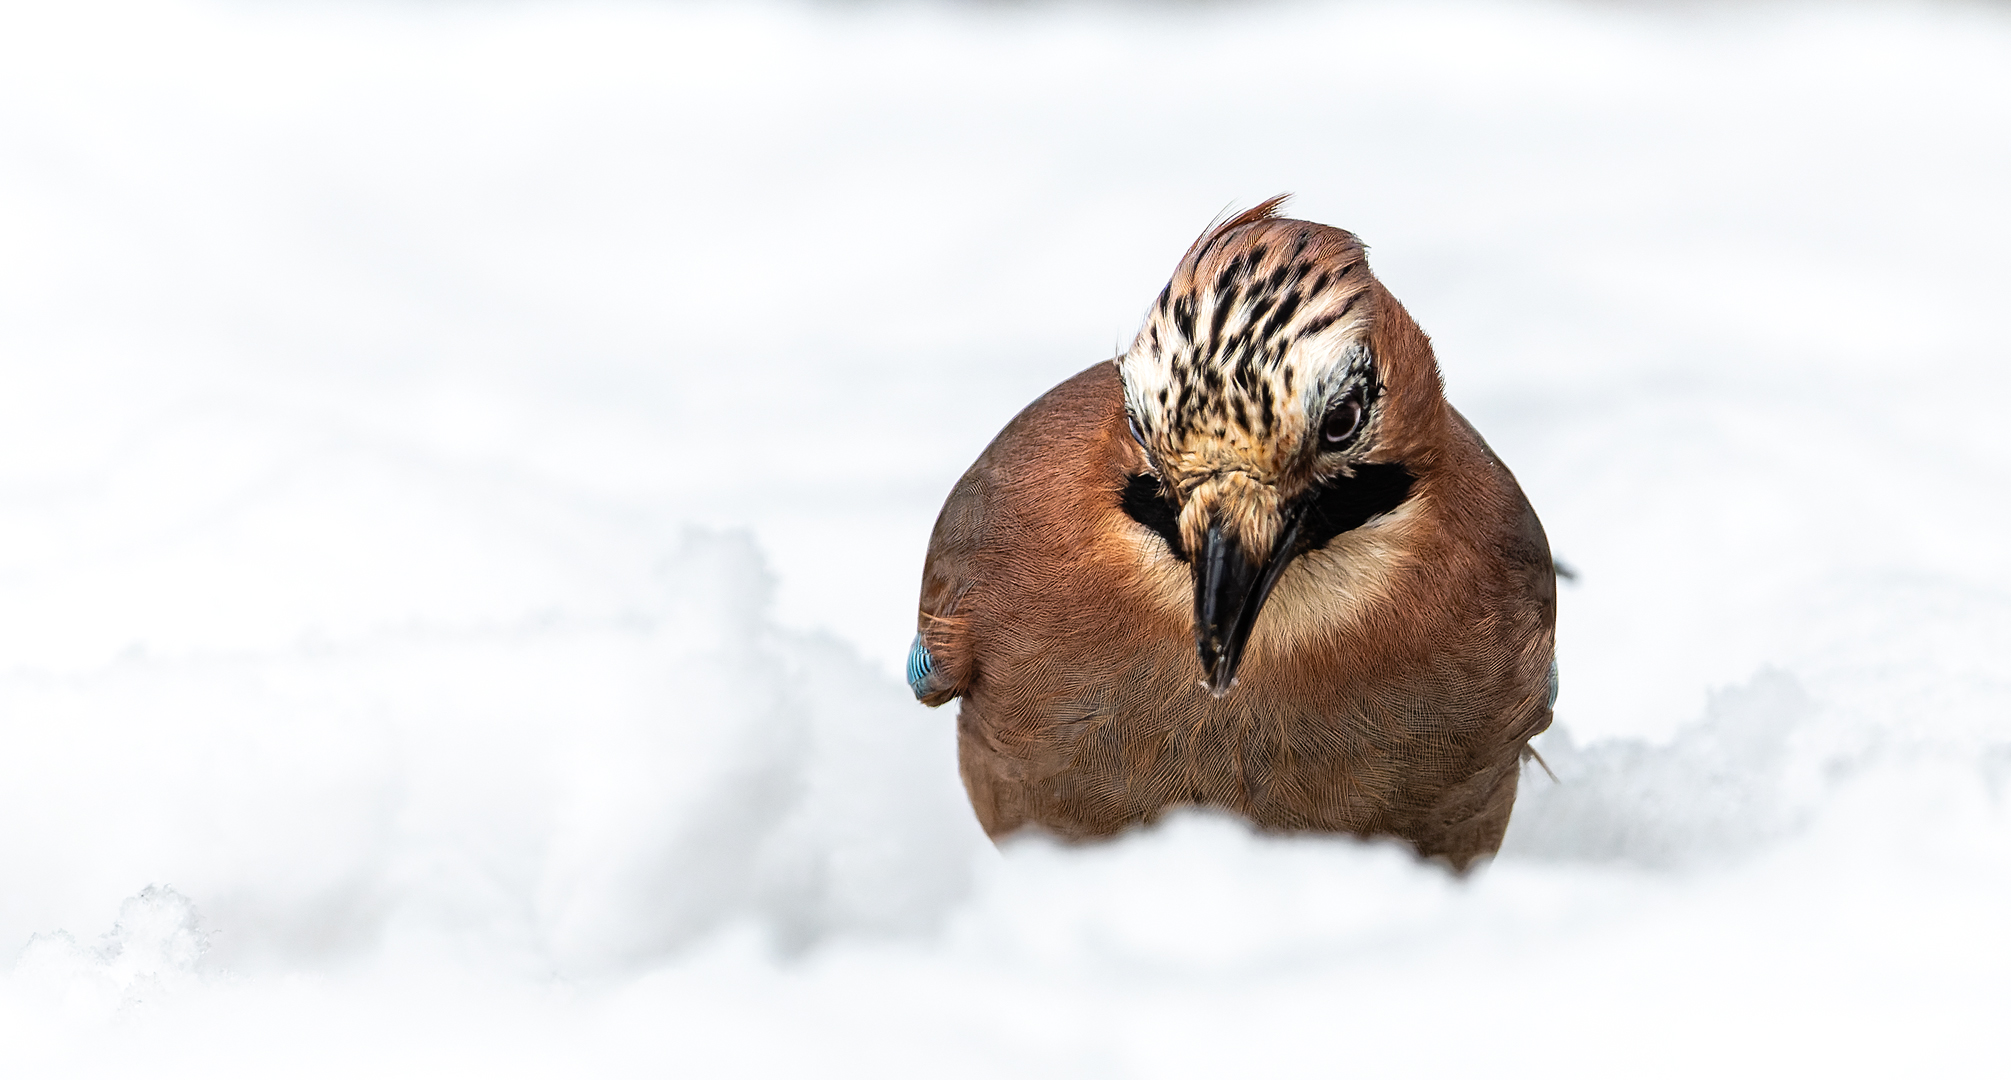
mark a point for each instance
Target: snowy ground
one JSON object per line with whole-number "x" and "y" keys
{"x": 464, "y": 472}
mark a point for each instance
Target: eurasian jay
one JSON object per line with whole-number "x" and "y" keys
{"x": 1257, "y": 563}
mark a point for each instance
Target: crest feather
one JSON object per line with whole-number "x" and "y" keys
{"x": 1263, "y": 211}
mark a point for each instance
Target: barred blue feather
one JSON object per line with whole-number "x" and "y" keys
{"x": 920, "y": 666}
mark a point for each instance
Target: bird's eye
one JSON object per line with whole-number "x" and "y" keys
{"x": 1342, "y": 425}
{"x": 1136, "y": 432}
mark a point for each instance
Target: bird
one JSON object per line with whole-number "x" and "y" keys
{"x": 1255, "y": 563}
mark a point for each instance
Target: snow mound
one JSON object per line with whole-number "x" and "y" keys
{"x": 152, "y": 950}
{"x": 1720, "y": 788}
{"x": 587, "y": 796}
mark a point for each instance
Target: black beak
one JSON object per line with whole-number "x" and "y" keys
{"x": 1229, "y": 589}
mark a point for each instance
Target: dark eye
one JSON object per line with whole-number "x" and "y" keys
{"x": 1342, "y": 425}
{"x": 1136, "y": 433}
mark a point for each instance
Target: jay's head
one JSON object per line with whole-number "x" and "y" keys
{"x": 1255, "y": 386}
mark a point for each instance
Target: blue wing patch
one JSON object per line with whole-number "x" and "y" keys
{"x": 1551, "y": 704}
{"x": 921, "y": 665}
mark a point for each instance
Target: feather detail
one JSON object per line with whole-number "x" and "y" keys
{"x": 921, "y": 667}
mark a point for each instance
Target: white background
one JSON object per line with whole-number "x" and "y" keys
{"x": 464, "y": 472}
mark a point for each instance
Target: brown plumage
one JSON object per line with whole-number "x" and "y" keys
{"x": 1255, "y": 563}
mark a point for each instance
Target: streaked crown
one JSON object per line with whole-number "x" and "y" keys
{"x": 1261, "y": 335}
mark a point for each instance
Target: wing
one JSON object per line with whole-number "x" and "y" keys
{"x": 940, "y": 661}
{"x": 1003, "y": 506}
{"x": 1529, "y": 603}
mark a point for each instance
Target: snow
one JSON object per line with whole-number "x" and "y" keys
{"x": 464, "y": 472}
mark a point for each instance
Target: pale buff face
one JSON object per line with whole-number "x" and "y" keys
{"x": 1242, "y": 364}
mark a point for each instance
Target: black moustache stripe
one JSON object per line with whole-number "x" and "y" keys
{"x": 1336, "y": 507}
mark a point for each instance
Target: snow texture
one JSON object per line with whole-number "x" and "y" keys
{"x": 464, "y": 473}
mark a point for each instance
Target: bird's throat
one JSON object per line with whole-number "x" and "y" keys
{"x": 1230, "y": 587}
